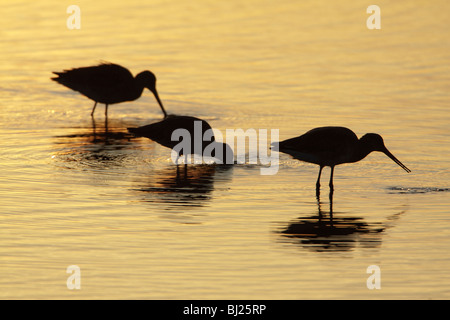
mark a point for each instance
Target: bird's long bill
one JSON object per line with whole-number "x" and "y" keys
{"x": 390, "y": 155}
{"x": 159, "y": 102}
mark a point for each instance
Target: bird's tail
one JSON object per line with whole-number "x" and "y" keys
{"x": 58, "y": 76}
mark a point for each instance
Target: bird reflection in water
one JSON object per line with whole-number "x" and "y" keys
{"x": 101, "y": 145}
{"x": 184, "y": 186}
{"x": 323, "y": 232}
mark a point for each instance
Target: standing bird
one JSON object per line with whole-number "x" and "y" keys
{"x": 108, "y": 83}
{"x": 330, "y": 146}
{"x": 197, "y": 137}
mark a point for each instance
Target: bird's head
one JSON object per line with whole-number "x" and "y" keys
{"x": 374, "y": 142}
{"x": 146, "y": 79}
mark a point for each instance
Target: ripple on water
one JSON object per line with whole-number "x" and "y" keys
{"x": 415, "y": 190}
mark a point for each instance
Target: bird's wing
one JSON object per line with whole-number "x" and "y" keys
{"x": 324, "y": 143}
{"x": 161, "y": 131}
{"x": 104, "y": 78}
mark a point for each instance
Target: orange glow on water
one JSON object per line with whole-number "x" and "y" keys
{"x": 82, "y": 191}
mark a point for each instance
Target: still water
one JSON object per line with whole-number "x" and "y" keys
{"x": 81, "y": 191}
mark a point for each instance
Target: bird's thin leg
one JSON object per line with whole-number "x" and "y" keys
{"x": 106, "y": 110}
{"x": 92, "y": 113}
{"x": 318, "y": 180}
{"x": 331, "y": 179}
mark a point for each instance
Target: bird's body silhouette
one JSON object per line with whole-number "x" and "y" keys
{"x": 331, "y": 146}
{"x": 199, "y": 132}
{"x": 108, "y": 83}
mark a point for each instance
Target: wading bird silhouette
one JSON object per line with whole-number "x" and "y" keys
{"x": 201, "y": 140}
{"x": 108, "y": 83}
{"x": 330, "y": 146}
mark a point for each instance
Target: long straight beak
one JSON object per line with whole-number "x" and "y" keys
{"x": 390, "y": 155}
{"x": 155, "y": 93}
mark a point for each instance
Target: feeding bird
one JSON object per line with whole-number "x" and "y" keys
{"x": 108, "y": 83}
{"x": 330, "y": 146}
{"x": 197, "y": 137}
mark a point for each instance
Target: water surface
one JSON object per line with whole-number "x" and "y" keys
{"x": 77, "y": 191}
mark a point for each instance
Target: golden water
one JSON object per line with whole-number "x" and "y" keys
{"x": 74, "y": 193}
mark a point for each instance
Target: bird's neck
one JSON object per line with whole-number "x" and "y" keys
{"x": 137, "y": 91}
{"x": 362, "y": 151}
